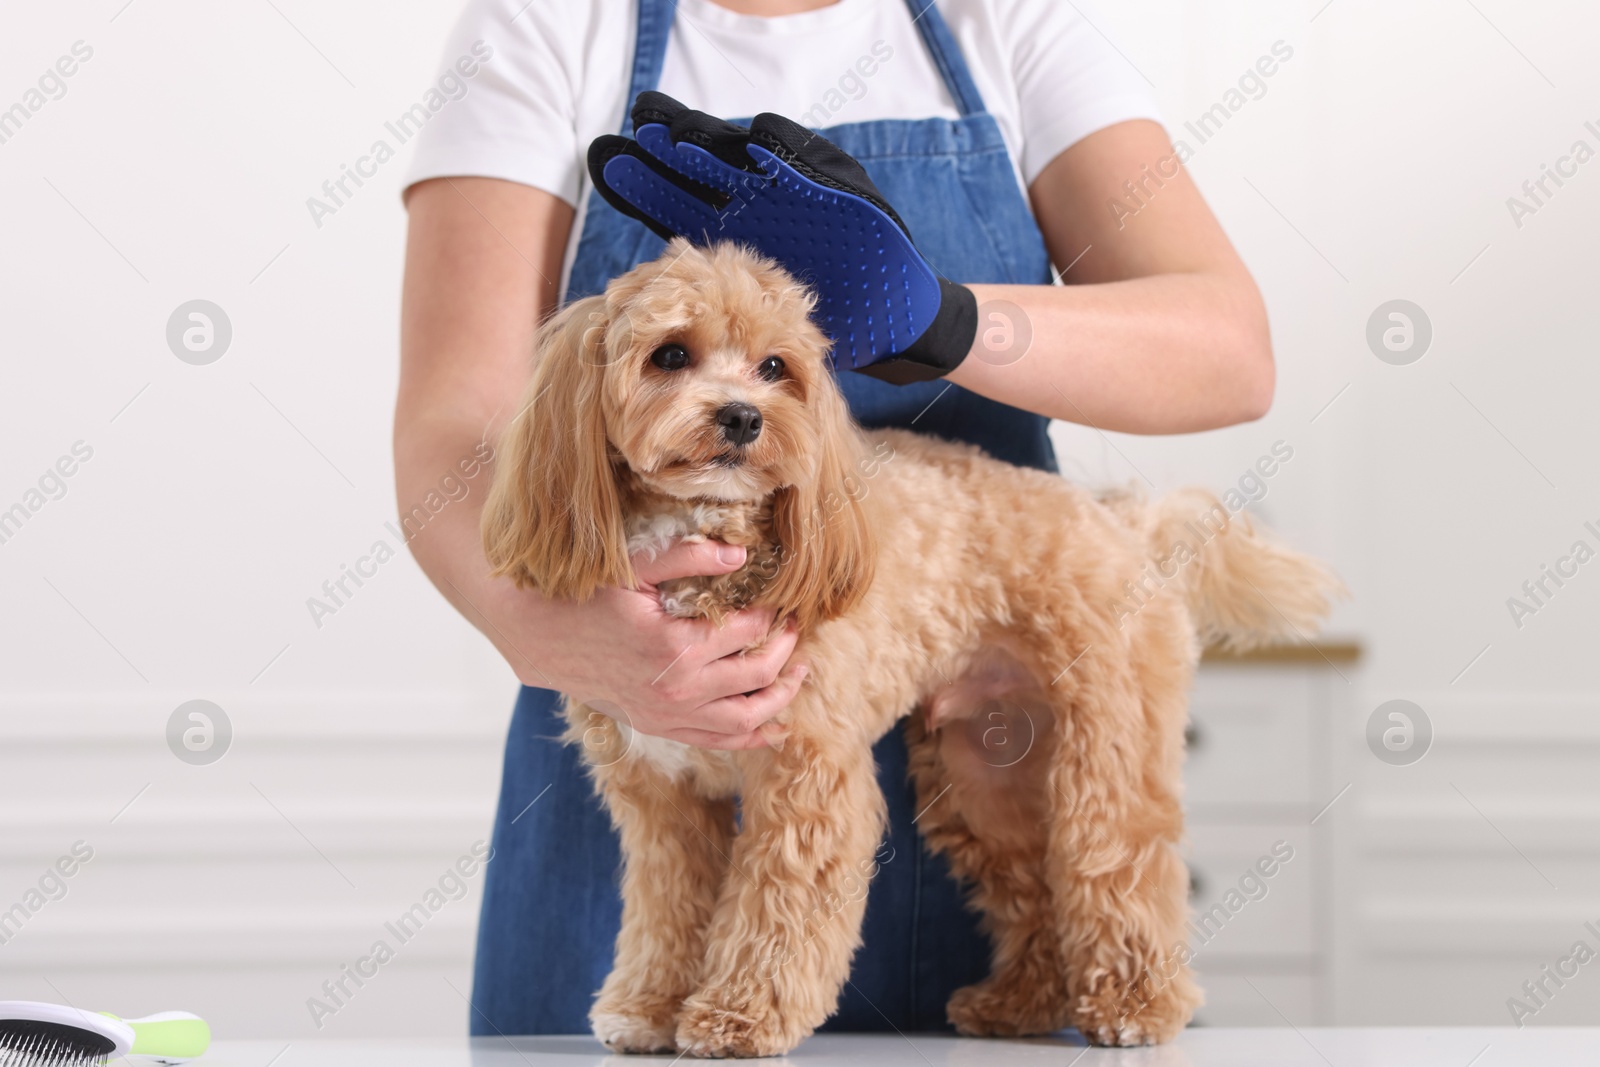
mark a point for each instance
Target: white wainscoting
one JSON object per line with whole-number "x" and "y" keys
{"x": 1258, "y": 773}
{"x": 236, "y": 889}
{"x": 1464, "y": 874}
{"x": 1423, "y": 894}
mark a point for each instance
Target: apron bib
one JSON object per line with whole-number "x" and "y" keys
{"x": 551, "y": 908}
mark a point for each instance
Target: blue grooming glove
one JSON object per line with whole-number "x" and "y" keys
{"x": 786, "y": 192}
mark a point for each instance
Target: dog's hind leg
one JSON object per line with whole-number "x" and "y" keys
{"x": 1120, "y": 886}
{"x": 979, "y": 757}
{"x": 675, "y": 847}
{"x": 778, "y": 950}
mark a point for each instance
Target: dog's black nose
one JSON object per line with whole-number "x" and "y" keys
{"x": 741, "y": 423}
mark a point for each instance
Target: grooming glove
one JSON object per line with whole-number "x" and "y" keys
{"x": 795, "y": 197}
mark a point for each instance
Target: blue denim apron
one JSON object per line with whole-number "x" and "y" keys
{"x": 551, "y": 907}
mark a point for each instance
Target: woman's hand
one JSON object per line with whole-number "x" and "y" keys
{"x": 620, "y": 653}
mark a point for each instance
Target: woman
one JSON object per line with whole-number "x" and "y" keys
{"x": 1000, "y": 131}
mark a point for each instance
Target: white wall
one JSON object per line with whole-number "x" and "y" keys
{"x": 218, "y": 498}
{"x": 214, "y": 505}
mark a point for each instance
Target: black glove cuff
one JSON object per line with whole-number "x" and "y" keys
{"x": 942, "y": 346}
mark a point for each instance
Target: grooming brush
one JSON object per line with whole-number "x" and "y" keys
{"x": 49, "y": 1035}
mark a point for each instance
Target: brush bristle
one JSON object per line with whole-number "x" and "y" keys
{"x": 26, "y": 1043}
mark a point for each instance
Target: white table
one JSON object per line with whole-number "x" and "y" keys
{"x": 1432, "y": 1047}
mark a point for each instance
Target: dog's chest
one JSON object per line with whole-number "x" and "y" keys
{"x": 652, "y": 524}
{"x": 655, "y": 522}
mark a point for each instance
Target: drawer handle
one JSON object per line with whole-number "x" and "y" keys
{"x": 1196, "y": 885}
{"x": 1192, "y": 736}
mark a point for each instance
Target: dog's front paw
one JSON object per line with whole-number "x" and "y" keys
{"x": 1007, "y": 1008}
{"x": 638, "y": 1026}
{"x": 1111, "y": 1012}
{"x": 744, "y": 1021}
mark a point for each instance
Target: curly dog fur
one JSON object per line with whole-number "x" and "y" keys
{"x": 983, "y": 603}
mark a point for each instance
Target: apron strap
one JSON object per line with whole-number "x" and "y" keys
{"x": 655, "y": 24}
{"x": 946, "y": 53}
{"x": 649, "y": 53}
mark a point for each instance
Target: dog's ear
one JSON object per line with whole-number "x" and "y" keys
{"x": 827, "y": 551}
{"x": 553, "y": 519}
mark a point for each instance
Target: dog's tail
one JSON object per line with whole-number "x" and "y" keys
{"x": 1243, "y": 589}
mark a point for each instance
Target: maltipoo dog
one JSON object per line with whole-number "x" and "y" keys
{"x": 986, "y": 604}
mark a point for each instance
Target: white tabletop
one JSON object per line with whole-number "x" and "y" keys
{"x": 1434, "y": 1047}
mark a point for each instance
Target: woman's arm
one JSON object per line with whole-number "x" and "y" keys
{"x": 1161, "y": 329}
{"x": 481, "y": 255}
{"x": 482, "y": 260}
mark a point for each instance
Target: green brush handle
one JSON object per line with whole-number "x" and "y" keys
{"x": 167, "y": 1037}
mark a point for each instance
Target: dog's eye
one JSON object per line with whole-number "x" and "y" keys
{"x": 771, "y": 368}
{"x": 670, "y": 357}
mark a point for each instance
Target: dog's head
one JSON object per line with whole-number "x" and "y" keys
{"x": 703, "y": 374}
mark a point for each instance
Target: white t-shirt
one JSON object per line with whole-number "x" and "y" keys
{"x": 558, "y": 77}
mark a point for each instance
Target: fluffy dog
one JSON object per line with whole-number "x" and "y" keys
{"x": 986, "y": 602}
